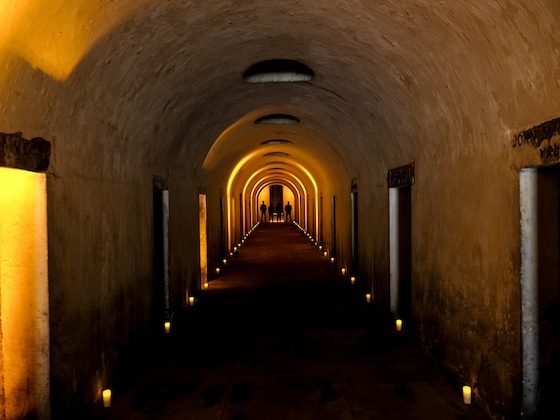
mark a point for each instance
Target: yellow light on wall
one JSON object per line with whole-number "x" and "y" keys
{"x": 398, "y": 324}
{"x": 353, "y": 280}
{"x": 167, "y": 327}
{"x": 106, "y": 398}
{"x": 467, "y": 394}
{"x": 368, "y": 297}
{"x": 24, "y": 297}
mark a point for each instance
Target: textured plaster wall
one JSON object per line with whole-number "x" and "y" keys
{"x": 443, "y": 84}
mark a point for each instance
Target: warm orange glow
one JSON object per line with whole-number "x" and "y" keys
{"x": 253, "y": 195}
{"x": 203, "y": 239}
{"x": 54, "y": 35}
{"x": 24, "y": 293}
{"x": 398, "y": 324}
{"x": 167, "y": 327}
{"x": 368, "y": 297}
{"x": 467, "y": 394}
{"x": 107, "y": 395}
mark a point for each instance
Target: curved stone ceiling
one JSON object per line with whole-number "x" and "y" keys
{"x": 389, "y": 75}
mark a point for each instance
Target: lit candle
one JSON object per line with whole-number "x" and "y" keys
{"x": 320, "y": 247}
{"x": 242, "y": 241}
{"x": 352, "y": 280}
{"x": 467, "y": 394}
{"x": 343, "y": 271}
{"x": 239, "y": 245}
{"x": 368, "y": 297}
{"x": 218, "y": 270}
{"x": 332, "y": 259}
{"x": 325, "y": 253}
{"x": 206, "y": 285}
{"x": 106, "y": 398}
{"x": 191, "y": 300}
{"x": 167, "y": 326}
{"x": 234, "y": 249}
{"x": 224, "y": 261}
{"x": 398, "y": 324}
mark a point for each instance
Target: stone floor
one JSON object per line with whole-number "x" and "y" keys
{"x": 281, "y": 335}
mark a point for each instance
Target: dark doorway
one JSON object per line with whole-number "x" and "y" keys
{"x": 161, "y": 254}
{"x": 277, "y": 200}
{"x": 333, "y": 224}
{"x": 405, "y": 251}
{"x": 354, "y": 227}
{"x": 549, "y": 287}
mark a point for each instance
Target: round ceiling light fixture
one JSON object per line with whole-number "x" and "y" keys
{"x": 277, "y": 154}
{"x": 276, "y": 142}
{"x": 277, "y": 119}
{"x": 278, "y": 71}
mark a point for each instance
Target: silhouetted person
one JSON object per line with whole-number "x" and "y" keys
{"x": 263, "y": 211}
{"x": 288, "y": 209}
{"x": 271, "y": 213}
{"x": 278, "y": 211}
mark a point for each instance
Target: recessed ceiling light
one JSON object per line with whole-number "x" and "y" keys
{"x": 276, "y": 141}
{"x": 278, "y": 71}
{"x": 278, "y": 119}
{"x": 278, "y": 154}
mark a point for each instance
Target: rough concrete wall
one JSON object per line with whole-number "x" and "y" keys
{"x": 161, "y": 86}
{"x": 101, "y": 282}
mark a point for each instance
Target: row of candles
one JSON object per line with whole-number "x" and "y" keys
{"x": 190, "y": 300}
{"x": 467, "y": 391}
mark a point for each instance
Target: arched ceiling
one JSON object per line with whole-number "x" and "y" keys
{"x": 158, "y": 82}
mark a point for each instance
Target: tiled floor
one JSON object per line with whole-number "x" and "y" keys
{"x": 281, "y": 335}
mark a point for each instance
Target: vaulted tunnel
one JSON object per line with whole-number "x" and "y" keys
{"x": 454, "y": 102}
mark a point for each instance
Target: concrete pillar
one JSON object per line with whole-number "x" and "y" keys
{"x": 528, "y": 189}
{"x": 394, "y": 250}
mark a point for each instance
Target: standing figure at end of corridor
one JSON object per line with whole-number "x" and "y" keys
{"x": 263, "y": 212}
{"x": 270, "y": 213}
{"x": 279, "y": 212}
{"x": 288, "y": 209}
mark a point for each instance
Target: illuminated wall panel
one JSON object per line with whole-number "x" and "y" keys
{"x": 24, "y": 294}
{"x": 203, "y": 239}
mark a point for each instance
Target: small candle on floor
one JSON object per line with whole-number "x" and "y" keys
{"x": 325, "y": 253}
{"x": 467, "y": 394}
{"x": 320, "y": 247}
{"x": 343, "y": 271}
{"x": 353, "y": 280}
{"x": 167, "y": 326}
{"x": 106, "y": 398}
{"x": 332, "y": 259}
{"x": 218, "y": 270}
{"x": 398, "y": 325}
{"x": 368, "y": 297}
{"x": 224, "y": 261}
{"x": 206, "y": 285}
{"x": 191, "y": 300}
